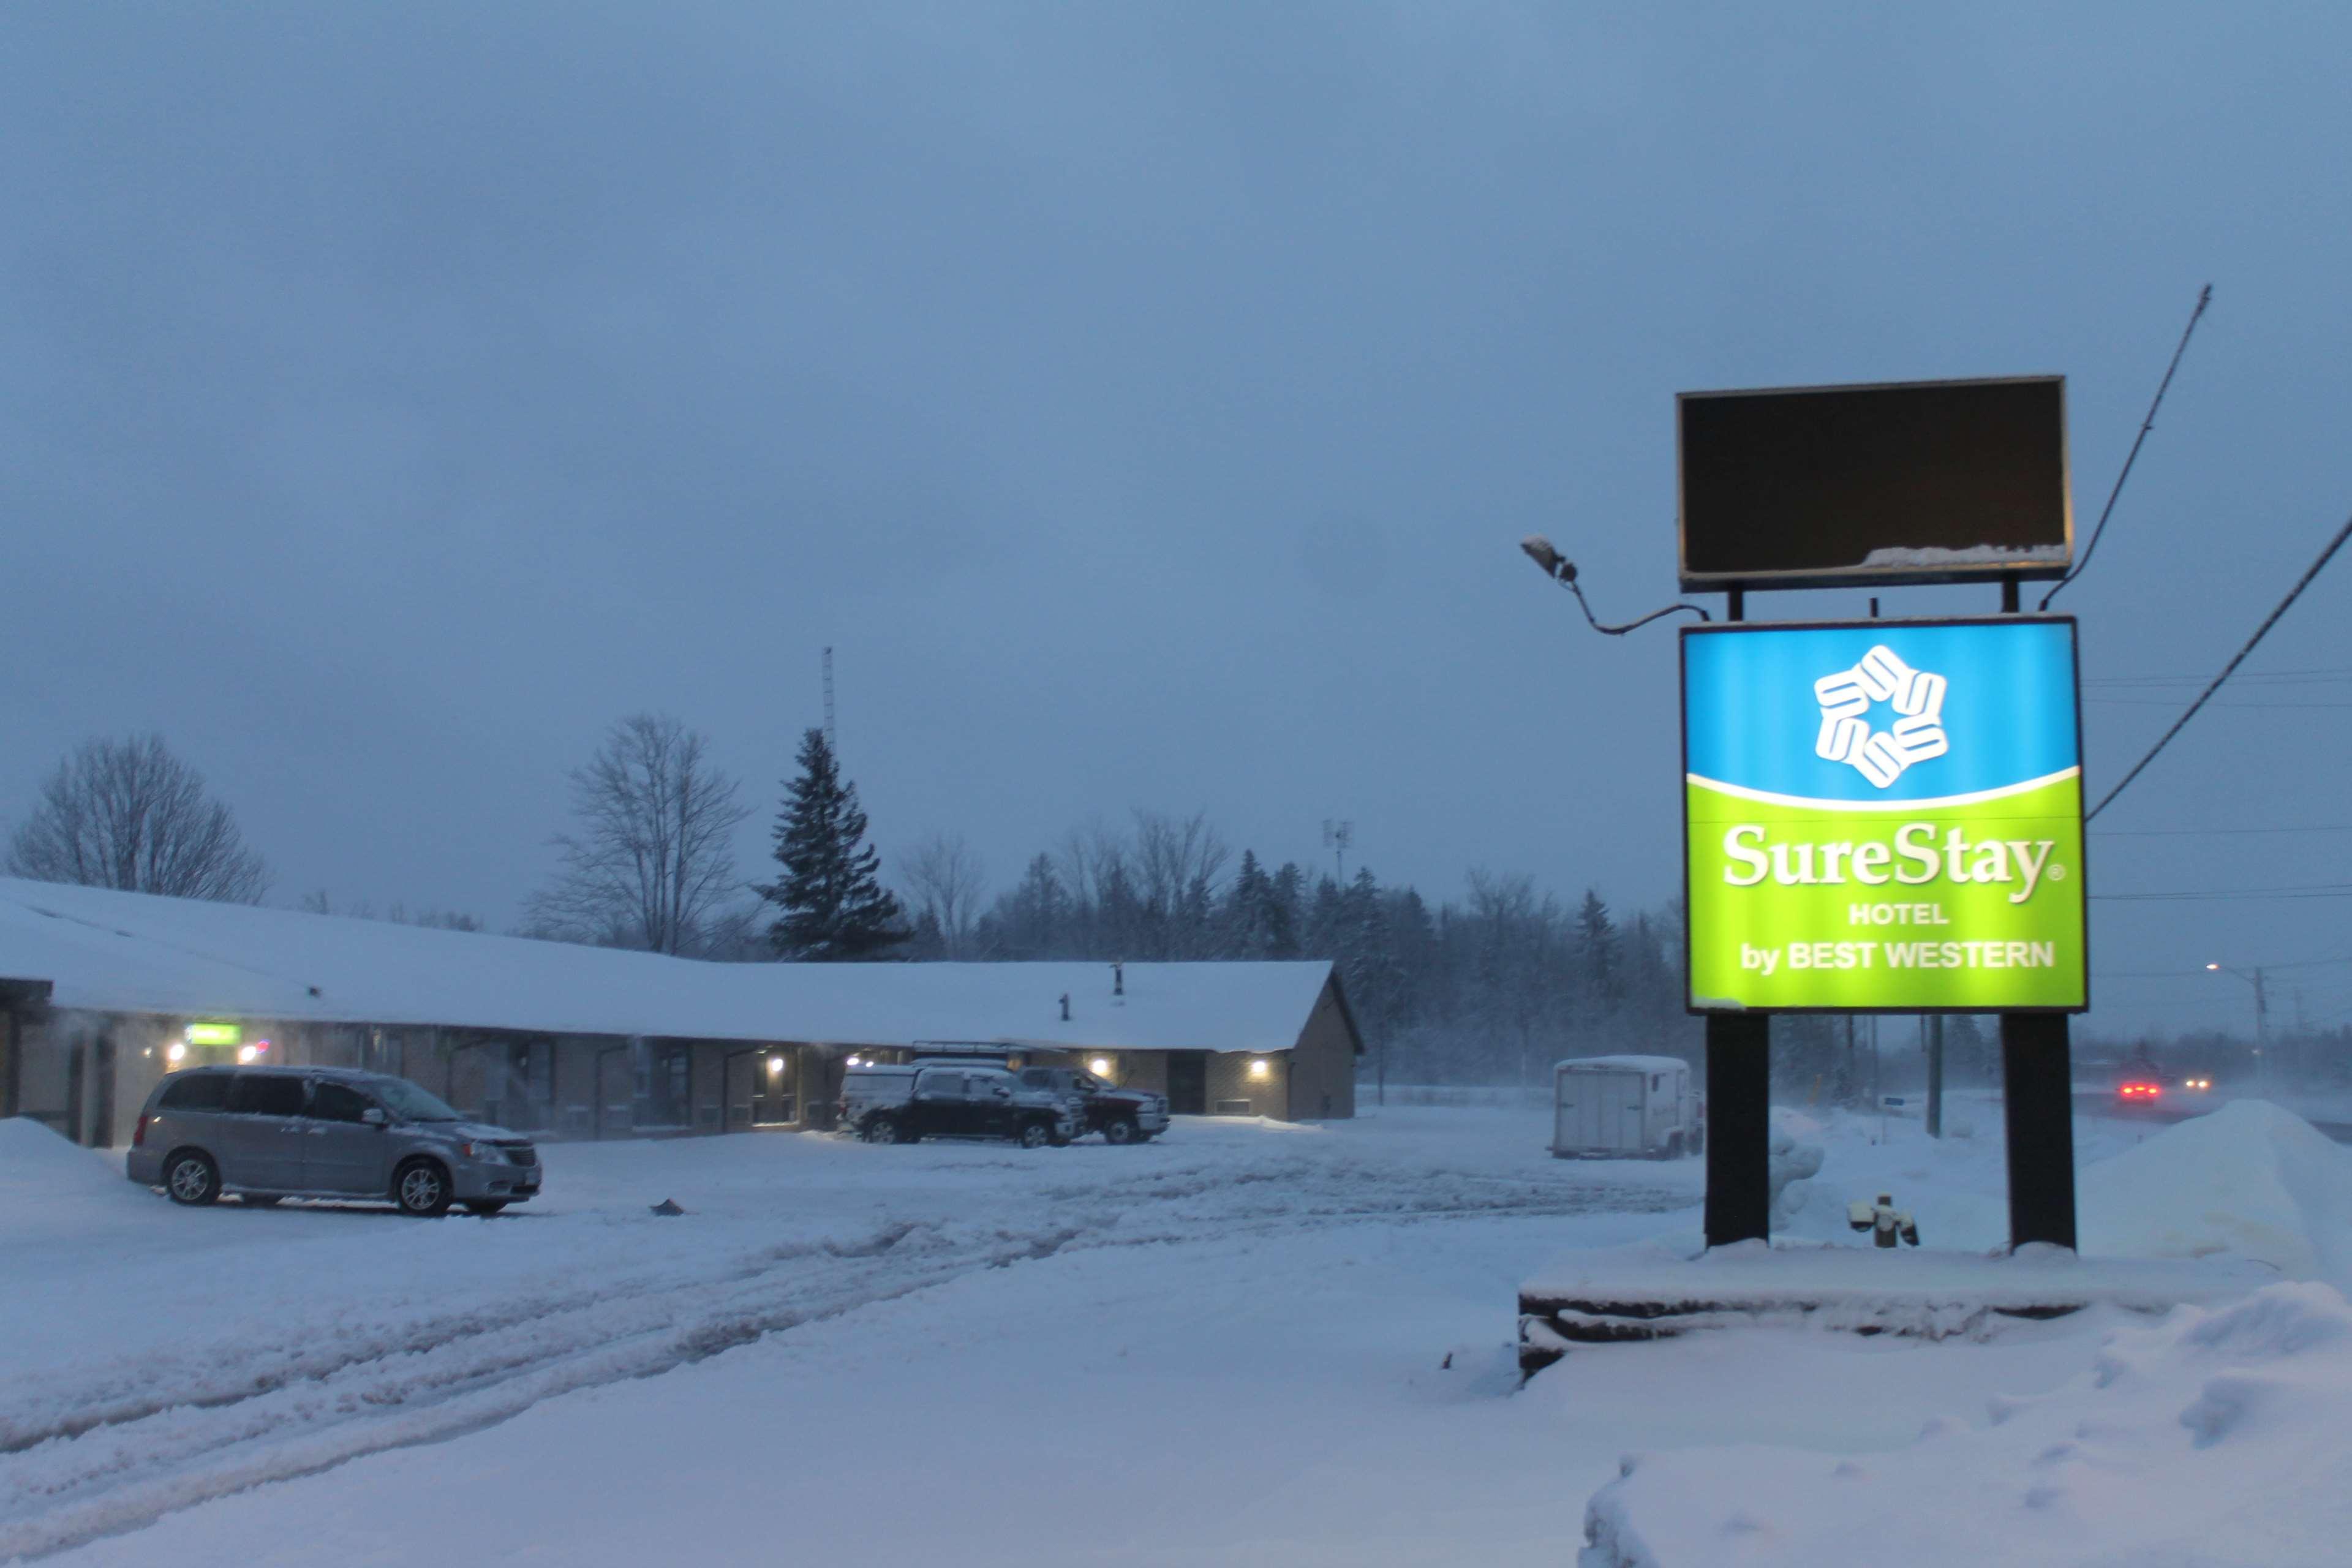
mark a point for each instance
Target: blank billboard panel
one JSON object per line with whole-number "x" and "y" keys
{"x": 1910, "y": 482}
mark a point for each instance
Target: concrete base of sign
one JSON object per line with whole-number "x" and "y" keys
{"x": 1604, "y": 1298}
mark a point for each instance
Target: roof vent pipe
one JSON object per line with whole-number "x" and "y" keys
{"x": 1066, "y": 1006}
{"x": 1117, "y": 977}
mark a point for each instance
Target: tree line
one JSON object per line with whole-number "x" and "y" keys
{"x": 1489, "y": 986}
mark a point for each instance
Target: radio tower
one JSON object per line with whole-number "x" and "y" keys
{"x": 1336, "y": 837}
{"x": 831, "y": 741}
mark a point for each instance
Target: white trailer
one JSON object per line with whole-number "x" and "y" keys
{"x": 1625, "y": 1108}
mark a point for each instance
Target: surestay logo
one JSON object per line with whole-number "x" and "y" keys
{"x": 1881, "y": 756}
{"x": 1913, "y": 858}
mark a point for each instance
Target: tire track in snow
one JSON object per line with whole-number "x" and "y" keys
{"x": 120, "y": 1463}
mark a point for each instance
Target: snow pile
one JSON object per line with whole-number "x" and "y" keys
{"x": 2217, "y": 1438}
{"x": 38, "y": 1167}
{"x": 2251, "y": 1179}
{"x": 1794, "y": 1158}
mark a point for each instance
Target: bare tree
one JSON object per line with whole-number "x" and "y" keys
{"x": 129, "y": 815}
{"x": 945, "y": 881}
{"x": 1178, "y": 862}
{"x": 654, "y": 856}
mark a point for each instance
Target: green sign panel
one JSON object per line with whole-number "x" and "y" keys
{"x": 1885, "y": 816}
{"x": 215, "y": 1034}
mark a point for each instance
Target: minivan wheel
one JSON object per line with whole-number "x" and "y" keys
{"x": 879, "y": 1130}
{"x": 191, "y": 1178}
{"x": 1122, "y": 1130}
{"x": 1033, "y": 1135}
{"x": 421, "y": 1188}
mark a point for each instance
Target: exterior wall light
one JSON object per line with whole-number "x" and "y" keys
{"x": 1260, "y": 1067}
{"x": 775, "y": 1066}
{"x": 248, "y": 1055}
{"x": 1099, "y": 1067}
{"x": 176, "y": 1052}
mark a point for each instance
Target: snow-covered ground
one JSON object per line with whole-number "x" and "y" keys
{"x": 1230, "y": 1347}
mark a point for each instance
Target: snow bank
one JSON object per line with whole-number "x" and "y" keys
{"x": 38, "y": 1166}
{"x": 2251, "y": 1179}
{"x": 1794, "y": 1157}
{"x": 2217, "y": 1438}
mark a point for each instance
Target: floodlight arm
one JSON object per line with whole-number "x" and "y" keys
{"x": 1562, "y": 571}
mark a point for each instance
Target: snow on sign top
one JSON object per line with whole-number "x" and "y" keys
{"x": 132, "y": 952}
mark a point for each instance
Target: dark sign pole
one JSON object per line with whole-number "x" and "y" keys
{"x": 1738, "y": 1108}
{"x": 1738, "y": 1128}
{"x": 2037, "y": 1096}
{"x": 2038, "y": 1108}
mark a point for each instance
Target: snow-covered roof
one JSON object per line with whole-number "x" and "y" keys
{"x": 132, "y": 952}
{"x": 1622, "y": 1064}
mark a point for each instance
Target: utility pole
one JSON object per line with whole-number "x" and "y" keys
{"x": 1935, "y": 1075}
{"x": 2302, "y": 1040}
{"x": 2262, "y": 1026}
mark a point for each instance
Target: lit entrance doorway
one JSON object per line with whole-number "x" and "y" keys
{"x": 775, "y": 1079}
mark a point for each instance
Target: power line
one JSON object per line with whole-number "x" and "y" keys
{"x": 2236, "y": 659}
{"x": 2184, "y": 832}
{"x": 2167, "y": 702}
{"x": 2200, "y": 972}
{"x": 2204, "y": 298}
{"x": 2304, "y": 890}
{"x": 2279, "y": 677}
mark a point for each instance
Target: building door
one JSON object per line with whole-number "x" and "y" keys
{"x": 102, "y": 1131}
{"x": 520, "y": 1088}
{"x": 773, "y": 1099}
{"x": 77, "y": 1069}
{"x": 1188, "y": 1083}
{"x": 669, "y": 1087}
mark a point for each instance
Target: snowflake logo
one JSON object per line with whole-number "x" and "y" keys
{"x": 1881, "y": 755}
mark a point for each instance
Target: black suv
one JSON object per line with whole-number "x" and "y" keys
{"x": 1120, "y": 1115}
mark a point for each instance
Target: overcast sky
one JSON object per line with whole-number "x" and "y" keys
{"x": 1144, "y": 402}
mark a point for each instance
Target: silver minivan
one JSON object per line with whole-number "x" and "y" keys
{"x": 267, "y": 1133}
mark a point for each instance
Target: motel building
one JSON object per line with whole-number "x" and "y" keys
{"x": 104, "y": 993}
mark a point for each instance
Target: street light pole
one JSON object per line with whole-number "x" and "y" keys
{"x": 2261, "y": 1019}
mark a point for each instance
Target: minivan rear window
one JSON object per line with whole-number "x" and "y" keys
{"x": 197, "y": 1091}
{"x": 267, "y": 1094}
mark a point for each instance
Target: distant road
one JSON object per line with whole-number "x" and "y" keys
{"x": 2096, "y": 1101}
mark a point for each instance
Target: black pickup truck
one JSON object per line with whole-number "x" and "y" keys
{"x": 1120, "y": 1115}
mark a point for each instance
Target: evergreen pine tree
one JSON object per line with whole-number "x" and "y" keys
{"x": 1032, "y": 920}
{"x": 1596, "y": 950}
{"x": 1286, "y": 911}
{"x": 1326, "y": 921}
{"x": 835, "y": 905}
{"x": 1248, "y": 915}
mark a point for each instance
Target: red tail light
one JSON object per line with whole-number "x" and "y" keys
{"x": 138, "y": 1134}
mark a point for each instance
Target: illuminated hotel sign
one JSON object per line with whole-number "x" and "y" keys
{"x": 1884, "y": 816}
{"x": 214, "y": 1035}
